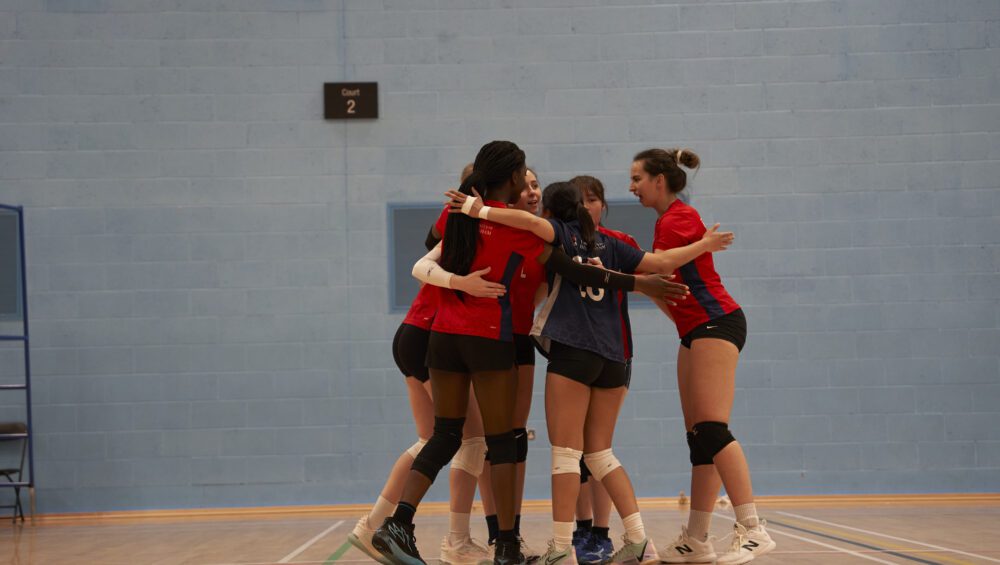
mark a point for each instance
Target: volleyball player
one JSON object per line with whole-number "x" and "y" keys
{"x": 409, "y": 349}
{"x": 712, "y": 330}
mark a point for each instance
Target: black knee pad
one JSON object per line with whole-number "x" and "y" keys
{"x": 440, "y": 448}
{"x": 521, "y": 435}
{"x": 502, "y": 448}
{"x": 584, "y": 472}
{"x": 698, "y": 457}
{"x": 711, "y": 438}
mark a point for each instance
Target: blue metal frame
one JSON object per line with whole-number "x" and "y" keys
{"x": 19, "y": 210}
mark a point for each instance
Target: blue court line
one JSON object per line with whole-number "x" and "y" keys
{"x": 857, "y": 543}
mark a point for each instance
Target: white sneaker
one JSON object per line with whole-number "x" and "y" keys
{"x": 564, "y": 557}
{"x": 686, "y": 549}
{"x": 530, "y": 555}
{"x": 758, "y": 540}
{"x": 465, "y": 551}
{"x": 361, "y": 538}
{"x": 739, "y": 549}
{"x": 637, "y": 553}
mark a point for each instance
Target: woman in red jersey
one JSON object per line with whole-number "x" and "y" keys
{"x": 471, "y": 342}
{"x": 524, "y": 296}
{"x": 409, "y": 350}
{"x": 712, "y": 329}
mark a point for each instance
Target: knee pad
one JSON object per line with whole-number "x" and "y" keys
{"x": 471, "y": 456}
{"x": 712, "y": 437}
{"x": 440, "y": 448}
{"x": 502, "y": 447}
{"x": 521, "y": 435}
{"x": 584, "y": 472}
{"x": 601, "y": 463}
{"x": 697, "y": 456}
{"x": 565, "y": 460}
{"x": 414, "y": 449}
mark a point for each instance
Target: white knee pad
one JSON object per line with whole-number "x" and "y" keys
{"x": 565, "y": 460}
{"x": 414, "y": 449}
{"x": 471, "y": 456}
{"x": 601, "y": 463}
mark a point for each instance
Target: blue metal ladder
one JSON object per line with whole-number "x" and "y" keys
{"x": 13, "y": 431}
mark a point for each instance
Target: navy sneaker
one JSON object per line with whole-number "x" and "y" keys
{"x": 580, "y": 538}
{"x": 396, "y": 542}
{"x": 595, "y": 551}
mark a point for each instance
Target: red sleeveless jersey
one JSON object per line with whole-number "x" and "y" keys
{"x": 681, "y": 225}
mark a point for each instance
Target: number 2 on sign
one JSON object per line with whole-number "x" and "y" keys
{"x": 350, "y": 105}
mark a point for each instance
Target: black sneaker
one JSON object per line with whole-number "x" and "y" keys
{"x": 396, "y": 542}
{"x": 508, "y": 553}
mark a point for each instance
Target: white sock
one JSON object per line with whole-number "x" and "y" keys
{"x": 746, "y": 515}
{"x": 634, "y": 530}
{"x": 458, "y": 527}
{"x": 562, "y": 534}
{"x": 698, "y": 524}
{"x": 382, "y": 510}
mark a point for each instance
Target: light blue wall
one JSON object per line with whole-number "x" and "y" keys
{"x": 208, "y": 258}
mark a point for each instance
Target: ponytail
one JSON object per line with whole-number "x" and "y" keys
{"x": 565, "y": 202}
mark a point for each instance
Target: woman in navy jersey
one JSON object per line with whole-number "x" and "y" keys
{"x": 583, "y": 332}
{"x": 591, "y": 539}
{"x": 471, "y": 342}
{"x": 712, "y": 330}
{"x": 409, "y": 350}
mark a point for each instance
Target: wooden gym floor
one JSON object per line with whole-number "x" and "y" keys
{"x": 931, "y": 529}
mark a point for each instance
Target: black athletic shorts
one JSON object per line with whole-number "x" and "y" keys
{"x": 409, "y": 349}
{"x": 732, "y": 327}
{"x": 524, "y": 350}
{"x": 468, "y": 353}
{"x": 587, "y": 367}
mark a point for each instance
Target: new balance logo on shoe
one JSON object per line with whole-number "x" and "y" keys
{"x": 751, "y": 545}
{"x": 683, "y": 549}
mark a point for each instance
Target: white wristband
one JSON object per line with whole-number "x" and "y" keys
{"x": 483, "y": 212}
{"x": 467, "y": 205}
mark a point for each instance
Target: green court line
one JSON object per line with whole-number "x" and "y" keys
{"x": 338, "y": 554}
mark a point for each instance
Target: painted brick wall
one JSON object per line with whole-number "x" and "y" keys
{"x": 208, "y": 259}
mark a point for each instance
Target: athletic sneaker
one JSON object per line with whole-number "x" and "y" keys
{"x": 596, "y": 550}
{"x": 638, "y": 553}
{"x": 747, "y": 544}
{"x": 508, "y": 553}
{"x": 564, "y": 557}
{"x": 530, "y": 554}
{"x": 466, "y": 552}
{"x": 686, "y": 549}
{"x": 361, "y": 538}
{"x": 396, "y": 542}
{"x": 580, "y": 538}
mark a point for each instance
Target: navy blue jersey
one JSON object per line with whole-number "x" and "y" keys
{"x": 586, "y": 318}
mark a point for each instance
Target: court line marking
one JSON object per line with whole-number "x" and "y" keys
{"x": 884, "y": 550}
{"x": 821, "y": 544}
{"x": 938, "y": 547}
{"x": 306, "y": 545}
